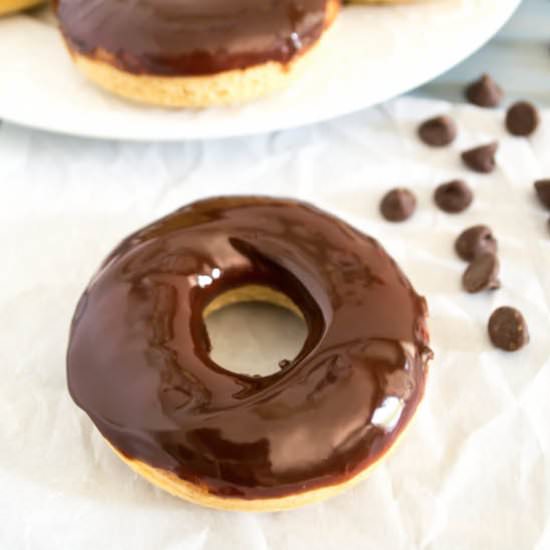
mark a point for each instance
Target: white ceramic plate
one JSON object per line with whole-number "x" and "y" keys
{"x": 370, "y": 55}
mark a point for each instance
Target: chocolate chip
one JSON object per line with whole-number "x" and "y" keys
{"x": 522, "y": 118}
{"x": 542, "y": 187}
{"x": 453, "y": 196}
{"x": 482, "y": 274}
{"x": 508, "y": 329}
{"x": 474, "y": 242}
{"x": 438, "y": 131}
{"x": 481, "y": 159}
{"x": 484, "y": 92}
{"x": 398, "y": 205}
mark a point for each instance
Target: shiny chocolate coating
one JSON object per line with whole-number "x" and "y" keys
{"x": 139, "y": 365}
{"x": 191, "y": 37}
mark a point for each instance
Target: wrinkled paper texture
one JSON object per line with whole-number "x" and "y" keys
{"x": 473, "y": 470}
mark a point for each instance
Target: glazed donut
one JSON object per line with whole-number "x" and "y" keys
{"x": 10, "y": 6}
{"x": 138, "y": 359}
{"x": 192, "y": 53}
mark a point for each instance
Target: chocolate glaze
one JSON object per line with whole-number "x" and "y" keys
{"x": 139, "y": 364}
{"x": 191, "y": 37}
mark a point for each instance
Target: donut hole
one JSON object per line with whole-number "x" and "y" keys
{"x": 254, "y": 330}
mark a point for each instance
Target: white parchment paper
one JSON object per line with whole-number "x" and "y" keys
{"x": 474, "y": 469}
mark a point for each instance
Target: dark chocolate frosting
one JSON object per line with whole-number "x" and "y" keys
{"x": 191, "y": 37}
{"x": 139, "y": 365}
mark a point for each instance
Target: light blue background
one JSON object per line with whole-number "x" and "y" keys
{"x": 518, "y": 57}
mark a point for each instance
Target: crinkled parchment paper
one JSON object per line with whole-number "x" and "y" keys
{"x": 474, "y": 469}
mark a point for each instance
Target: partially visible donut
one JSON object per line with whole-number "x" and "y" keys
{"x": 138, "y": 358}
{"x": 192, "y": 53}
{"x": 10, "y": 6}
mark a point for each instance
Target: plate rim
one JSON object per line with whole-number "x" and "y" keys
{"x": 342, "y": 108}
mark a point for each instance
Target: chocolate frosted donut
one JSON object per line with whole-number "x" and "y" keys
{"x": 197, "y": 37}
{"x": 191, "y": 52}
{"x": 138, "y": 359}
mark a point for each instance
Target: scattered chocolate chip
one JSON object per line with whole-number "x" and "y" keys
{"x": 542, "y": 187}
{"x": 438, "y": 131}
{"x": 474, "y": 242}
{"x": 481, "y": 159}
{"x": 484, "y": 92}
{"x": 522, "y": 118}
{"x": 508, "y": 329}
{"x": 398, "y": 205}
{"x": 482, "y": 274}
{"x": 453, "y": 196}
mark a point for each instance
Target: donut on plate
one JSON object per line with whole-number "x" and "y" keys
{"x": 192, "y": 53}
{"x": 138, "y": 358}
{"x": 10, "y": 6}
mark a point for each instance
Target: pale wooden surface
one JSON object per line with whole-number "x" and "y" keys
{"x": 518, "y": 57}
